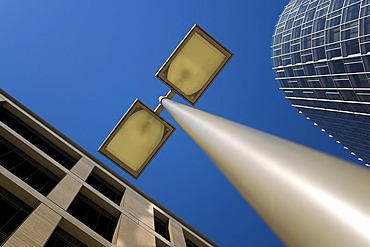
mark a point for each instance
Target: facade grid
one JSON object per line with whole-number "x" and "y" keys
{"x": 321, "y": 55}
{"x": 54, "y": 193}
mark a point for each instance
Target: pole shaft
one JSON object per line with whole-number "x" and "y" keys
{"x": 306, "y": 197}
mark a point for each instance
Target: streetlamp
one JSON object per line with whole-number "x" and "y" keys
{"x": 189, "y": 71}
{"x": 136, "y": 139}
{"x": 307, "y": 198}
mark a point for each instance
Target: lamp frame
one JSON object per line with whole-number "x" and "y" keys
{"x": 162, "y": 72}
{"x": 136, "y": 106}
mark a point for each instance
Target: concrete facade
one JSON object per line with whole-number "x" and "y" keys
{"x": 134, "y": 212}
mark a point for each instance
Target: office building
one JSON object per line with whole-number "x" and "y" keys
{"x": 54, "y": 193}
{"x": 321, "y": 55}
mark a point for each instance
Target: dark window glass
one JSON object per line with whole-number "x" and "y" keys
{"x": 366, "y": 60}
{"x": 306, "y": 42}
{"x": 309, "y": 69}
{"x": 348, "y": 95}
{"x": 350, "y": 33}
{"x": 365, "y": 97}
{"x": 314, "y": 83}
{"x": 333, "y": 22}
{"x": 278, "y": 62}
{"x": 303, "y": 82}
{"x": 359, "y": 81}
{"x": 94, "y": 216}
{"x": 277, "y": 51}
{"x": 327, "y": 82}
{"x": 342, "y": 83}
{"x": 309, "y": 15}
{"x": 307, "y": 58}
{"x": 105, "y": 188}
{"x": 365, "y": 11}
{"x": 333, "y": 35}
{"x": 277, "y": 39}
{"x": 306, "y": 31}
{"x": 336, "y": 5}
{"x": 283, "y": 83}
{"x": 349, "y": 2}
{"x": 365, "y": 48}
{"x": 161, "y": 227}
{"x": 296, "y": 32}
{"x": 365, "y": 26}
{"x": 289, "y": 24}
{"x": 319, "y": 24}
{"x": 319, "y": 53}
{"x": 337, "y": 67}
{"x": 296, "y": 57}
{"x": 351, "y": 13}
{"x": 318, "y": 41}
{"x": 36, "y": 138}
{"x": 354, "y": 67}
{"x": 25, "y": 168}
{"x": 190, "y": 243}
{"x": 350, "y": 47}
{"x": 299, "y": 72}
{"x": 61, "y": 238}
{"x": 13, "y": 212}
{"x": 322, "y": 70}
{"x": 288, "y": 71}
{"x": 286, "y": 48}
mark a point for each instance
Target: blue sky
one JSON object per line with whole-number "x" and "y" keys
{"x": 80, "y": 64}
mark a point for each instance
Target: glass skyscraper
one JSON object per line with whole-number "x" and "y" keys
{"x": 321, "y": 55}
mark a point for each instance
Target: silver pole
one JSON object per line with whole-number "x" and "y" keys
{"x": 307, "y": 198}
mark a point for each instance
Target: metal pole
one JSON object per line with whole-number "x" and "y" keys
{"x": 307, "y": 198}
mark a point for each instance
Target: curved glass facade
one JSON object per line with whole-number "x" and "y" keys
{"x": 321, "y": 55}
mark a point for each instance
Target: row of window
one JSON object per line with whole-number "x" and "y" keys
{"x": 341, "y": 106}
{"x": 34, "y": 137}
{"x": 345, "y": 95}
{"x": 339, "y": 82}
{"x": 298, "y": 12}
{"x": 355, "y": 65}
{"x": 321, "y": 32}
{"x": 83, "y": 209}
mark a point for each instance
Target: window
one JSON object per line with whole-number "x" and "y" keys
{"x": 333, "y": 35}
{"x": 160, "y": 243}
{"x": 13, "y": 212}
{"x": 26, "y": 169}
{"x": 351, "y": 13}
{"x": 36, "y": 138}
{"x": 192, "y": 241}
{"x": 189, "y": 243}
{"x": 61, "y": 238}
{"x": 105, "y": 188}
{"x": 94, "y": 216}
{"x": 161, "y": 225}
{"x": 350, "y": 47}
{"x": 337, "y": 67}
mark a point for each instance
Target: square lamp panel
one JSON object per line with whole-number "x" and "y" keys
{"x": 136, "y": 139}
{"x": 194, "y": 64}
